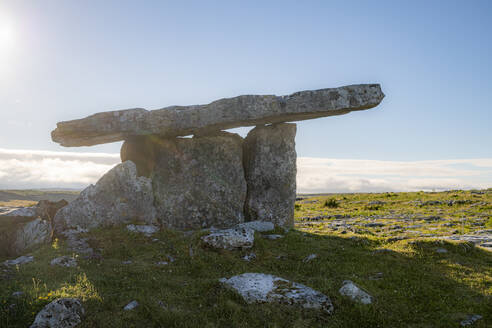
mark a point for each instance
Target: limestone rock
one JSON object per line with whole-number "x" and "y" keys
{"x": 355, "y": 292}
{"x": 270, "y": 168}
{"x": 199, "y": 182}
{"x": 265, "y": 288}
{"x": 260, "y": 226}
{"x": 230, "y": 238}
{"x": 223, "y": 114}
{"x": 118, "y": 197}
{"x": 33, "y": 233}
{"x": 20, "y": 260}
{"x": 61, "y": 313}
{"x": 141, "y": 228}
{"x": 130, "y": 306}
{"x": 20, "y": 211}
{"x": 64, "y": 261}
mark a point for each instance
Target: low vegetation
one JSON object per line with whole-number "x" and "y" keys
{"x": 413, "y": 284}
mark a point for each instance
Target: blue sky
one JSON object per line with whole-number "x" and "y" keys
{"x": 62, "y": 60}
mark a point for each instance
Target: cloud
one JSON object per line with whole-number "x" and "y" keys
{"x": 22, "y": 169}
{"x": 316, "y": 175}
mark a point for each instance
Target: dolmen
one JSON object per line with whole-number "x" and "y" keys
{"x": 212, "y": 179}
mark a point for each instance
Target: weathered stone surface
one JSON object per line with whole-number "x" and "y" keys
{"x": 199, "y": 182}
{"x": 262, "y": 288}
{"x": 130, "y": 306}
{"x": 19, "y": 211}
{"x": 270, "y": 169}
{"x": 118, "y": 197}
{"x": 248, "y": 110}
{"x": 141, "y": 150}
{"x": 20, "y": 260}
{"x": 355, "y": 293}
{"x": 33, "y": 233}
{"x": 231, "y": 238}
{"x": 64, "y": 261}
{"x": 61, "y": 313}
{"x": 142, "y": 228}
{"x": 260, "y": 226}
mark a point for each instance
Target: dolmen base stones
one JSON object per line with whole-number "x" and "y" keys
{"x": 214, "y": 179}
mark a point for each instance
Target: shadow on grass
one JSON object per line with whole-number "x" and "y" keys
{"x": 413, "y": 285}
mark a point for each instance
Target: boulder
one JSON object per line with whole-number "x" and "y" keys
{"x": 223, "y": 114}
{"x": 266, "y": 288}
{"x": 33, "y": 233}
{"x": 270, "y": 169}
{"x": 199, "y": 182}
{"x": 260, "y": 226}
{"x": 61, "y": 313}
{"x": 355, "y": 293}
{"x": 230, "y": 239}
{"x": 20, "y": 211}
{"x": 118, "y": 197}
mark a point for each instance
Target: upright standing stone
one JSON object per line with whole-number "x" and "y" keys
{"x": 199, "y": 182}
{"x": 270, "y": 168}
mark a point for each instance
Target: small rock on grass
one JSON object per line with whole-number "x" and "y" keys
{"x": 20, "y": 260}
{"x": 145, "y": 229}
{"x": 355, "y": 292}
{"x": 130, "y": 306}
{"x": 230, "y": 238}
{"x": 17, "y": 294}
{"x": 261, "y": 288}
{"x": 441, "y": 250}
{"x": 309, "y": 258}
{"x": 273, "y": 237}
{"x": 61, "y": 313}
{"x": 249, "y": 257}
{"x": 65, "y": 261}
{"x": 470, "y": 320}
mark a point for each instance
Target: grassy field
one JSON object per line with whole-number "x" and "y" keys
{"x": 386, "y": 243}
{"x": 23, "y": 198}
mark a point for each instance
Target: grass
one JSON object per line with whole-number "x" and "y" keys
{"x": 413, "y": 285}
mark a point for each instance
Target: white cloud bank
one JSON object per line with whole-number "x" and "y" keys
{"x": 22, "y": 169}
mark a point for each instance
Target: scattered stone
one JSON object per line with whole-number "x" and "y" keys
{"x": 309, "y": 258}
{"x": 272, "y": 237}
{"x": 17, "y": 294}
{"x": 33, "y": 233}
{"x": 470, "y": 320}
{"x": 270, "y": 168}
{"x": 118, "y": 197}
{"x": 20, "y": 211}
{"x": 223, "y": 114}
{"x": 199, "y": 182}
{"x": 130, "y": 306}
{"x": 65, "y": 261}
{"x": 19, "y": 261}
{"x": 265, "y": 288}
{"x": 260, "y": 226}
{"x": 127, "y": 262}
{"x": 376, "y": 276}
{"x": 355, "y": 292}
{"x": 61, "y": 313}
{"x": 376, "y": 202}
{"x": 441, "y": 250}
{"x": 249, "y": 257}
{"x": 145, "y": 229}
{"x": 230, "y": 238}
{"x": 162, "y": 263}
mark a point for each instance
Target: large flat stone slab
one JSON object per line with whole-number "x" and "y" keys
{"x": 247, "y": 110}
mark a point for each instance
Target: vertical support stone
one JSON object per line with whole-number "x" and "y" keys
{"x": 270, "y": 170}
{"x": 199, "y": 182}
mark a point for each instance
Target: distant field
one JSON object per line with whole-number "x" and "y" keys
{"x": 21, "y": 198}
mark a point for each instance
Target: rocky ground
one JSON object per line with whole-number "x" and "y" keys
{"x": 353, "y": 260}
